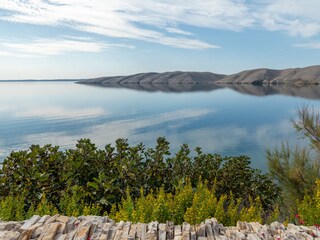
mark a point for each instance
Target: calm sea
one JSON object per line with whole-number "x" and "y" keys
{"x": 224, "y": 121}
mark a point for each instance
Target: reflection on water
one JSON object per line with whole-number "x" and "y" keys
{"x": 221, "y": 121}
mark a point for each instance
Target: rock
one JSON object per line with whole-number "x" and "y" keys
{"x": 7, "y": 226}
{"x": 37, "y": 232}
{"x": 193, "y": 235}
{"x": 132, "y": 232}
{"x": 60, "y": 236}
{"x": 62, "y": 219}
{"x": 125, "y": 231}
{"x": 209, "y": 231}
{"x": 25, "y": 235}
{"x": 201, "y": 230}
{"x": 30, "y": 222}
{"x": 70, "y": 235}
{"x": 253, "y": 236}
{"x": 202, "y": 238}
{"x": 255, "y": 226}
{"x": 177, "y": 230}
{"x": 9, "y": 235}
{"x": 52, "y": 219}
{"x": 106, "y": 228}
{"x": 43, "y": 219}
{"x": 241, "y": 225}
{"x": 70, "y": 225}
{"x": 49, "y": 233}
{"x": 112, "y": 233}
{"x": 83, "y": 231}
{"x": 103, "y": 236}
{"x": 272, "y": 232}
{"x": 152, "y": 231}
{"x": 101, "y": 228}
{"x": 162, "y": 231}
{"x": 275, "y": 226}
{"x": 170, "y": 230}
{"x": 186, "y": 231}
{"x": 119, "y": 231}
{"x": 97, "y": 231}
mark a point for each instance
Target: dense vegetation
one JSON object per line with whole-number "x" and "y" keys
{"x": 137, "y": 183}
{"x": 100, "y": 178}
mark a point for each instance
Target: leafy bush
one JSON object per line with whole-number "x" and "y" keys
{"x": 189, "y": 205}
{"x": 309, "y": 208}
{"x": 203, "y": 205}
{"x": 96, "y": 179}
{"x": 12, "y": 208}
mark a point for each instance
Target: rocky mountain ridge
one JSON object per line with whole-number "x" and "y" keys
{"x": 264, "y": 76}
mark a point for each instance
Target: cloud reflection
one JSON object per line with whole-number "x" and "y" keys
{"x": 126, "y": 128}
{"x": 225, "y": 139}
{"x": 61, "y": 112}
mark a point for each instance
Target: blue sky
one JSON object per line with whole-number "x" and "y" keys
{"x": 46, "y": 39}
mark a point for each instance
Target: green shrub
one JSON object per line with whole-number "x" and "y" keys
{"x": 162, "y": 208}
{"x": 181, "y": 201}
{"x": 45, "y": 208}
{"x": 253, "y": 212}
{"x": 233, "y": 210}
{"x": 309, "y": 207}
{"x": 12, "y": 208}
{"x": 89, "y": 180}
{"x": 203, "y": 205}
{"x": 188, "y": 205}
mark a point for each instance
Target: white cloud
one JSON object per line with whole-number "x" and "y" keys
{"x": 308, "y": 45}
{"x": 177, "y": 31}
{"x": 134, "y": 19}
{"x": 296, "y": 17}
{"x": 15, "y": 54}
{"x": 164, "y": 21}
{"x": 49, "y": 47}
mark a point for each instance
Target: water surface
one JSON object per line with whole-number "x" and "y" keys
{"x": 225, "y": 121}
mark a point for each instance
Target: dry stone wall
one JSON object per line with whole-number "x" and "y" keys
{"x": 102, "y": 228}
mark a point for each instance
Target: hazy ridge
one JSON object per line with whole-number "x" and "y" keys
{"x": 307, "y": 75}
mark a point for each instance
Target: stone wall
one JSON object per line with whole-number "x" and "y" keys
{"x": 102, "y": 228}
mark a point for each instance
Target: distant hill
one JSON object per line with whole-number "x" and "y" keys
{"x": 307, "y": 75}
{"x": 159, "y": 78}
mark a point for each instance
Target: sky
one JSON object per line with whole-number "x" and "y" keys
{"x": 63, "y": 39}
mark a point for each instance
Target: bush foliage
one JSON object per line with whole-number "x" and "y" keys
{"x": 309, "y": 207}
{"x": 189, "y": 205}
{"x": 86, "y": 179}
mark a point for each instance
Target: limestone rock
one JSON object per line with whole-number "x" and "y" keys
{"x": 30, "y": 222}
{"x": 9, "y": 235}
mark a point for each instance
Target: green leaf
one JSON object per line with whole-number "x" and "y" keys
{"x": 43, "y": 177}
{"x": 93, "y": 184}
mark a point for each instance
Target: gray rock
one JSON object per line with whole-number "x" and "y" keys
{"x": 30, "y": 222}
{"x": 9, "y": 235}
{"x": 7, "y": 226}
{"x": 162, "y": 231}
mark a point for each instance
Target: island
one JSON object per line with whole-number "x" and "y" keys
{"x": 300, "y": 82}
{"x": 263, "y": 76}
